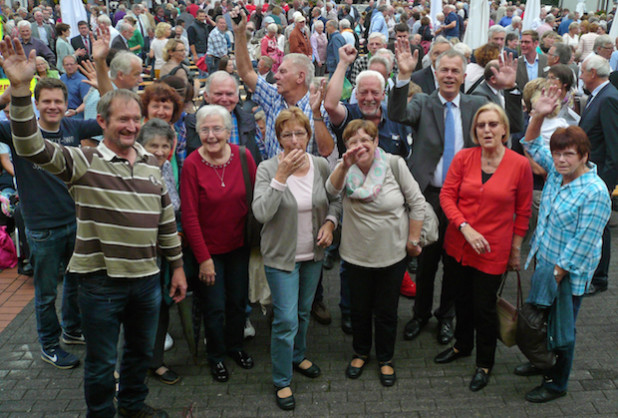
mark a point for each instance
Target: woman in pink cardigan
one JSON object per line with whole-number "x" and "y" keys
{"x": 486, "y": 197}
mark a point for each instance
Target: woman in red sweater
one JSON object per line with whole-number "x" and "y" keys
{"x": 486, "y": 197}
{"x": 214, "y": 212}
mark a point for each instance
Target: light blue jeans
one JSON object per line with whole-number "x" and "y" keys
{"x": 292, "y": 294}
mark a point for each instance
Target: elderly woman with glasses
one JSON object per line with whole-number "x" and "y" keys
{"x": 299, "y": 217}
{"x": 214, "y": 213}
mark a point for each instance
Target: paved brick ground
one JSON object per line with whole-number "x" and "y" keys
{"x": 29, "y": 387}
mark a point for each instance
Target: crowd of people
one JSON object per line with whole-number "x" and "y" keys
{"x": 163, "y": 134}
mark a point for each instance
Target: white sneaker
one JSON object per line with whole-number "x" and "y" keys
{"x": 169, "y": 342}
{"x": 249, "y": 330}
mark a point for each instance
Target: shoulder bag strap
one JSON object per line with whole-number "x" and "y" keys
{"x": 245, "y": 174}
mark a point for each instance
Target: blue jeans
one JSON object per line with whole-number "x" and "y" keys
{"x": 292, "y": 294}
{"x": 107, "y": 303}
{"x": 224, "y": 304}
{"x": 557, "y": 378}
{"x": 212, "y": 63}
{"x": 50, "y": 252}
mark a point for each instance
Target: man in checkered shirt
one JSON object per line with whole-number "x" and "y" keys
{"x": 217, "y": 45}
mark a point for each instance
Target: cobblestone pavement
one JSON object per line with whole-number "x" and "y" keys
{"x": 29, "y": 387}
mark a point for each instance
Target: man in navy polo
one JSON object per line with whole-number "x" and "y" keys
{"x": 77, "y": 89}
{"x": 450, "y": 28}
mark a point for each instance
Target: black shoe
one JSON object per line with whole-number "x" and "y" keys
{"x": 287, "y": 404}
{"x": 527, "y": 369}
{"x": 413, "y": 328}
{"x": 594, "y": 289}
{"x": 355, "y": 372}
{"x": 241, "y": 358}
{"x": 169, "y": 377}
{"x": 449, "y": 355}
{"x": 329, "y": 261}
{"x": 346, "y": 324}
{"x": 541, "y": 394}
{"x": 219, "y": 371}
{"x": 445, "y": 331}
{"x": 320, "y": 313}
{"x": 479, "y": 380}
{"x": 312, "y": 371}
{"x": 387, "y": 379}
{"x": 145, "y": 412}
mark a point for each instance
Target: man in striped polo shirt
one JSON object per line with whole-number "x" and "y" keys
{"x": 124, "y": 215}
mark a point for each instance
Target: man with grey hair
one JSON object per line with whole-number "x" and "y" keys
{"x": 105, "y": 22}
{"x": 604, "y": 46}
{"x": 442, "y": 122}
{"x": 346, "y": 32}
{"x": 514, "y": 27}
{"x": 29, "y": 43}
{"x": 426, "y": 78}
{"x": 375, "y": 41}
{"x": 599, "y": 120}
{"x": 378, "y": 21}
{"x": 222, "y": 89}
{"x": 335, "y": 41}
{"x": 294, "y": 80}
{"x": 559, "y": 53}
{"x": 121, "y": 42}
{"x": 41, "y": 30}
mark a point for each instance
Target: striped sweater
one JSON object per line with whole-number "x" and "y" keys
{"x": 123, "y": 211}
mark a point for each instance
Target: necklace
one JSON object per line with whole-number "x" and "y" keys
{"x": 216, "y": 168}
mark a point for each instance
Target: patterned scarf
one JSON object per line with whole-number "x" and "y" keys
{"x": 366, "y": 188}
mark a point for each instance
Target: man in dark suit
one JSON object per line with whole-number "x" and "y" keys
{"x": 82, "y": 41}
{"x": 599, "y": 120}
{"x": 121, "y": 42}
{"x": 435, "y": 143}
{"x": 425, "y": 78}
{"x": 530, "y": 64}
{"x": 499, "y": 88}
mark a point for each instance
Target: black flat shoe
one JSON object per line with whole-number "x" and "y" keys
{"x": 541, "y": 394}
{"x": 169, "y": 377}
{"x": 413, "y": 328}
{"x": 312, "y": 371}
{"x": 479, "y": 380}
{"x": 219, "y": 371}
{"x": 355, "y": 372}
{"x": 527, "y": 369}
{"x": 387, "y": 379}
{"x": 241, "y": 358}
{"x": 445, "y": 331}
{"x": 287, "y": 404}
{"x": 449, "y": 355}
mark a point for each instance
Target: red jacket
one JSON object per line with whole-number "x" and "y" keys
{"x": 488, "y": 208}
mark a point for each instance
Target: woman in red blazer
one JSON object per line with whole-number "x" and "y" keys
{"x": 486, "y": 197}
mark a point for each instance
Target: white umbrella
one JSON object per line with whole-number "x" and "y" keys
{"x": 478, "y": 24}
{"x": 532, "y": 12}
{"x": 72, "y": 12}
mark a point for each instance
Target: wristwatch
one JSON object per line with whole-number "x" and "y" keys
{"x": 415, "y": 243}
{"x": 461, "y": 225}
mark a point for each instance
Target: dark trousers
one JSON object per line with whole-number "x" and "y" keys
{"x": 106, "y": 303}
{"x": 475, "y": 306}
{"x": 224, "y": 303}
{"x": 428, "y": 266}
{"x": 602, "y": 272}
{"x": 159, "y": 344}
{"x": 557, "y": 378}
{"x": 375, "y": 296}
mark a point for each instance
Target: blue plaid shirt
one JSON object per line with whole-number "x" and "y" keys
{"x": 272, "y": 102}
{"x": 234, "y": 134}
{"x": 217, "y": 44}
{"x": 571, "y": 220}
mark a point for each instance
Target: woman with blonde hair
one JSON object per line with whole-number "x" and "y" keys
{"x": 162, "y": 33}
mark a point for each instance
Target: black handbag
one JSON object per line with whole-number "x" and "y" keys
{"x": 253, "y": 228}
{"x": 531, "y": 335}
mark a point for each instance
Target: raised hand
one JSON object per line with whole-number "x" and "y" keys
{"x": 405, "y": 58}
{"x": 87, "y": 69}
{"x": 547, "y": 102}
{"x": 100, "y": 46}
{"x": 18, "y": 67}
{"x": 316, "y": 96}
{"x": 351, "y": 156}
{"x": 347, "y": 54}
{"x": 240, "y": 27}
{"x": 506, "y": 72}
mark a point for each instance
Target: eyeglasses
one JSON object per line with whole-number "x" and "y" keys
{"x": 297, "y": 134}
{"x": 217, "y": 130}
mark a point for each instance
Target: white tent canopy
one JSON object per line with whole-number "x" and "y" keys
{"x": 478, "y": 24}
{"x": 436, "y": 7}
{"x": 72, "y": 12}
{"x": 533, "y": 11}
